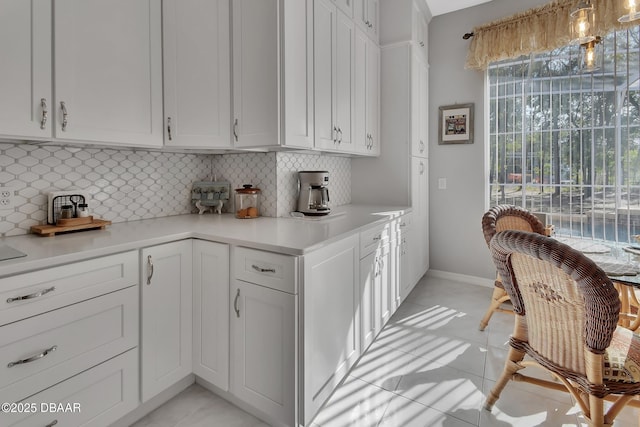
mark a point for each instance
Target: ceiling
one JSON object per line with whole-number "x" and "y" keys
{"x": 440, "y": 7}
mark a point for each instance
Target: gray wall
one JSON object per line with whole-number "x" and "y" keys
{"x": 456, "y": 240}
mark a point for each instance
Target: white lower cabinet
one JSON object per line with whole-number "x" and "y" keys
{"x": 406, "y": 276}
{"x": 330, "y": 321}
{"x": 94, "y": 398}
{"x": 166, "y": 342}
{"x": 69, "y": 337}
{"x": 263, "y": 333}
{"x": 376, "y": 284}
{"x": 211, "y": 312}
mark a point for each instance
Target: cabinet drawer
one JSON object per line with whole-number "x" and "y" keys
{"x": 29, "y": 294}
{"x": 100, "y": 396}
{"x": 373, "y": 237}
{"x": 268, "y": 269}
{"x": 43, "y": 350}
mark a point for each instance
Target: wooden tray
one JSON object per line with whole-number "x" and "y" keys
{"x": 71, "y": 224}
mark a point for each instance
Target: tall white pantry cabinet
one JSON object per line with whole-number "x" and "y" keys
{"x": 400, "y": 175}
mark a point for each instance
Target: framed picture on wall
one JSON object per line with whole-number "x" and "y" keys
{"x": 456, "y": 124}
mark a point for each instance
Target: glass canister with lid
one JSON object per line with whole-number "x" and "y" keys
{"x": 247, "y": 202}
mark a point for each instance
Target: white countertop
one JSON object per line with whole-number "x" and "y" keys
{"x": 291, "y": 236}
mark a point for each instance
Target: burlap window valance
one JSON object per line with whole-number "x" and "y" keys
{"x": 537, "y": 30}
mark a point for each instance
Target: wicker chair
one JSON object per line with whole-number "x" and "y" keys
{"x": 500, "y": 218}
{"x": 566, "y": 321}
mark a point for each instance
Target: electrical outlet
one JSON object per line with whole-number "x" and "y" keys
{"x": 6, "y": 198}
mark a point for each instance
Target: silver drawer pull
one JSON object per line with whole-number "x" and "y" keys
{"x": 65, "y": 115}
{"x": 375, "y": 239}
{"x": 52, "y": 423}
{"x": 235, "y": 304}
{"x": 149, "y": 269}
{"x": 43, "y": 120}
{"x": 33, "y": 358}
{"x": 31, "y": 296}
{"x": 263, "y": 270}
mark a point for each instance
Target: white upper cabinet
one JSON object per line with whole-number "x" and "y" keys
{"x": 420, "y": 106}
{"x": 197, "y": 89}
{"x": 255, "y": 72}
{"x": 272, "y": 73}
{"x": 420, "y": 31}
{"x": 108, "y": 71}
{"x": 25, "y": 74}
{"x": 334, "y": 41}
{"x": 367, "y": 17}
{"x": 366, "y": 89}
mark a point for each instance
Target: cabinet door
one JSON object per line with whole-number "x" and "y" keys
{"x": 368, "y": 277}
{"x": 166, "y": 344}
{"x": 420, "y": 205}
{"x": 360, "y": 120}
{"x": 366, "y": 93}
{"x": 366, "y": 16}
{"x": 373, "y": 98}
{"x": 297, "y": 70}
{"x": 419, "y": 107}
{"x": 420, "y": 31}
{"x": 255, "y": 72}
{"x": 331, "y": 326}
{"x": 25, "y": 74}
{"x": 344, "y": 81}
{"x": 211, "y": 312}
{"x": 263, "y": 349}
{"x": 108, "y": 71}
{"x": 197, "y": 82}
{"x": 324, "y": 39}
{"x": 384, "y": 303}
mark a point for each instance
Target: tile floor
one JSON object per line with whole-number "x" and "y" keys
{"x": 429, "y": 367}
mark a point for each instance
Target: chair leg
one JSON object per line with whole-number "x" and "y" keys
{"x": 511, "y": 366}
{"x": 499, "y": 296}
{"x": 596, "y": 416}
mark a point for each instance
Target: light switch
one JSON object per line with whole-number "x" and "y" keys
{"x": 442, "y": 183}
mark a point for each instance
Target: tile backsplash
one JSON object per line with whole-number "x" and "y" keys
{"x": 127, "y": 184}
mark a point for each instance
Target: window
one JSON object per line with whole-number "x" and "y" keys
{"x": 567, "y": 143}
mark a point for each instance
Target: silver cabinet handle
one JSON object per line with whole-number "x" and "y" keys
{"x": 335, "y": 135}
{"x": 235, "y": 130}
{"x": 65, "y": 115}
{"x": 149, "y": 269}
{"x": 235, "y": 303}
{"x": 33, "y": 358}
{"x": 421, "y": 168}
{"x": 376, "y": 238}
{"x": 340, "y": 132}
{"x": 263, "y": 270}
{"x": 31, "y": 296}
{"x": 169, "y": 128}
{"x": 52, "y": 423}
{"x": 421, "y": 146}
{"x": 43, "y": 120}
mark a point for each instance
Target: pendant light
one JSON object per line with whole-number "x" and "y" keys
{"x": 582, "y": 23}
{"x": 592, "y": 56}
{"x": 632, "y": 12}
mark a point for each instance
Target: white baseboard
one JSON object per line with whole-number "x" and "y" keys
{"x": 472, "y": 280}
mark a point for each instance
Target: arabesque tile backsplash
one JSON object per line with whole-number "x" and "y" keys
{"x": 127, "y": 184}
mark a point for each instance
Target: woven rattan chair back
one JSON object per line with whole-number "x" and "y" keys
{"x": 566, "y": 321}
{"x": 500, "y": 218}
{"x": 569, "y": 303}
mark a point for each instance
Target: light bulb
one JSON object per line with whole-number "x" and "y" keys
{"x": 632, "y": 14}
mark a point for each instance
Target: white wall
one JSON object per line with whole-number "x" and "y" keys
{"x": 456, "y": 240}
